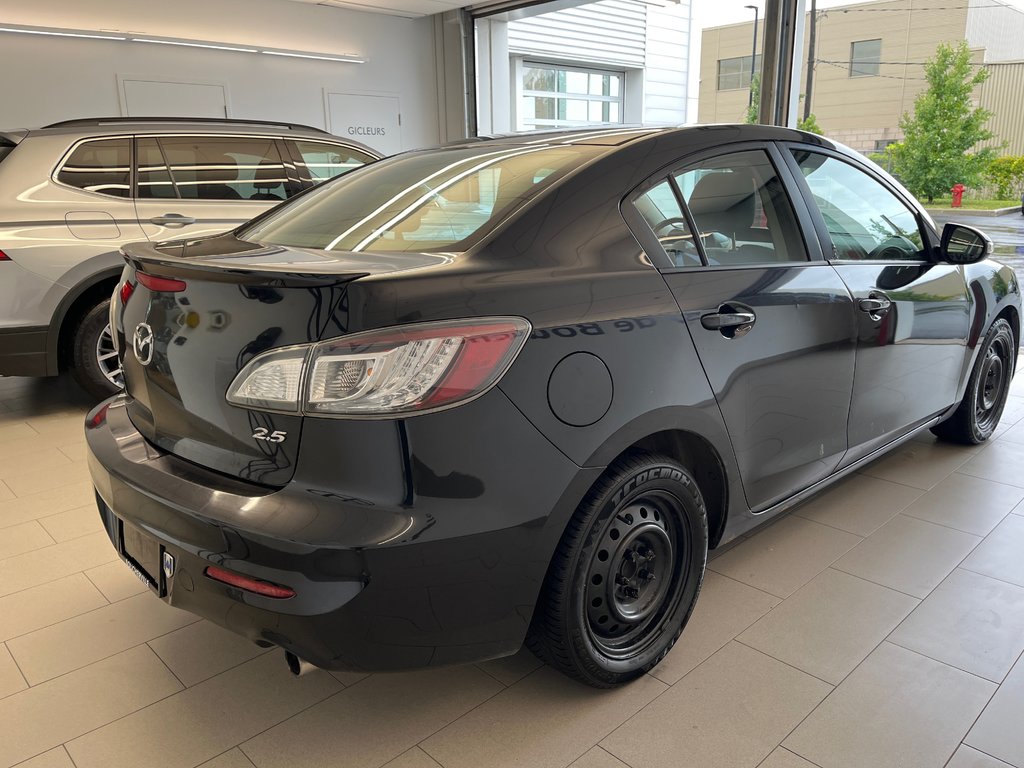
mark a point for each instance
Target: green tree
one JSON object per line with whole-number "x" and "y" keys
{"x": 936, "y": 151}
{"x": 810, "y": 125}
{"x": 755, "y": 100}
{"x": 1007, "y": 173}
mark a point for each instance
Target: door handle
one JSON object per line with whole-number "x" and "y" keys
{"x": 876, "y": 304}
{"x": 173, "y": 220}
{"x": 731, "y": 319}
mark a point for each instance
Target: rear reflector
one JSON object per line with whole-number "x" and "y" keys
{"x": 126, "y": 292}
{"x": 99, "y": 417}
{"x": 4, "y": 256}
{"x": 164, "y": 284}
{"x": 249, "y": 584}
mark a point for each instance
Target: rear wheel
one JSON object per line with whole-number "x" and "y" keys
{"x": 95, "y": 364}
{"x": 978, "y": 414}
{"x": 626, "y": 575}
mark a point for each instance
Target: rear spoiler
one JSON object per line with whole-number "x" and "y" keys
{"x": 12, "y": 138}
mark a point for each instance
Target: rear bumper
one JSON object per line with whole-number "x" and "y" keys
{"x": 431, "y": 580}
{"x": 23, "y": 351}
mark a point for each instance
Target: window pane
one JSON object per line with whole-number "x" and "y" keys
{"x": 154, "y": 180}
{"x": 735, "y": 72}
{"x": 325, "y": 161}
{"x": 741, "y": 210}
{"x": 865, "y": 220}
{"x": 575, "y": 82}
{"x": 99, "y": 166}
{"x": 226, "y": 168}
{"x": 538, "y": 79}
{"x": 865, "y": 56}
{"x": 660, "y": 209}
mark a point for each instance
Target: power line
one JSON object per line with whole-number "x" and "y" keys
{"x": 846, "y": 65}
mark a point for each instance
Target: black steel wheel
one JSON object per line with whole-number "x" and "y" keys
{"x": 626, "y": 574}
{"x": 978, "y": 414}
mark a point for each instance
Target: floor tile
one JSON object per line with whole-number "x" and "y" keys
{"x": 786, "y": 555}
{"x": 783, "y": 758}
{"x": 56, "y": 561}
{"x": 48, "y": 502}
{"x": 908, "y": 555}
{"x": 75, "y": 451}
{"x": 724, "y": 609}
{"x": 76, "y": 642}
{"x": 348, "y": 677}
{"x": 115, "y": 581}
{"x": 830, "y": 625}
{"x": 11, "y": 679}
{"x": 544, "y": 720}
{"x": 1001, "y": 461}
{"x": 859, "y": 504}
{"x": 1001, "y": 554}
{"x": 47, "y": 604}
{"x": 971, "y": 622}
{"x": 898, "y": 708}
{"x": 967, "y": 503}
{"x": 44, "y": 716}
{"x": 26, "y": 537}
{"x": 414, "y": 758}
{"x": 511, "y": 669}
{"x": 48, "y": 459}
{"x": 373, "y": 721}
{"x": 695, "y": 722}
{"x": 597, "y": 758}
{"x": 72, "y": 524}
{"x": 921, "y": 465}
{"x": 54, "y": 758}
{"x": 202, "y": 722}
{"x": 5, "y": 493}
{"x": 965, "y": 757}
{"x": 38, "y": 480}
{"x": 998, "y": 731}
{"x": 233, "y": 758}
{"x": 201, "y": 650}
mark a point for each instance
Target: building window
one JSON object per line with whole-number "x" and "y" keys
{"x": 881, "y": 144}
{"x": 865, "y": 56}
{"x": 735, "y": 73}
{"x": 555, "y": 96}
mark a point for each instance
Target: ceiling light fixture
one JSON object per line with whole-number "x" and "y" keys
{"x": 62, "y": 33}
{"x": 320, "y": 56}
{"x": 216, "y": 46}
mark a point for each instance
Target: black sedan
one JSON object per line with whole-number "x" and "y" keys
{"x": 513, "y": 390}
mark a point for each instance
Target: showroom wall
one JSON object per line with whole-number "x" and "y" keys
{"x": 63, "y": 78}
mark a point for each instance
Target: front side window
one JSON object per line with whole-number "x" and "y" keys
{"x": 865, "y": 57}
{"x": 737, "y": 72}
{"x": 559, "y": 96}
{"x": 864, "y": 219}
{"x": 226, "y": 168}
{"x": 102, "y": 166}
{"x": 660, "y": 208}
{"x": 741, "y": 210}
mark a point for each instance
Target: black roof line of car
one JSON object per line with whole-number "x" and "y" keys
{"x": 88, "y": 121}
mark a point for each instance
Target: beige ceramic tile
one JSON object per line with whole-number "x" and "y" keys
{"x": 73, "y": 524}
{"x": 921, "y": 465}
{"x": 908, "y": 555}
{"x": 414, "y": 758}
{"x": 971, "y": 622}
{"x": 41, "y": 606}
{"x": 56, "y": 561}
{"x": 39, "y": 480}
{"x": 11, "y": 679}
{"x": 998, "y": 731}
{"x": 696, "y": 723}
{"x": 373, "y": 721}
{"x": 47, "y": 502}
{"x": 18, "y": 539}
{"x": 724, "y": 609}
{"x": 204, "y": 721}
{"x": 47, "y": 460}
{"x": 202, "y": 649}
{"x": 830, "y": 625}
{"x": 965, "y": 757}
{"x": 233, "y": 758}
{"x": 1001, "y": 461}
{"x": 898, "y": 708}
{"x": 783, "y": 758}
{"x": 44, "y": 716}
{"x": 966, "y": 503}
{"x": 115, "y": 581}
{"x": 348, "y": 677}
{"x": 75, "y": 451}
{"x": 54, "y": 758}
{"x": 80, "y": 641}
{"x": 786, "y": 555}
{"x": 17, "y": 432}
{"x": 597, "y": 758}
{"x": 1001, "y": 554}
{"x": 859, "y": 504}
{"x": 5, "y": 492}
{"x": 511, "y": 669}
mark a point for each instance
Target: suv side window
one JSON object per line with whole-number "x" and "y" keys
{"x": 660, "y": 208}
{"x": 864, "y": 219}
{"x": 741, "y": 210}
{"x": 323, "y": 161}
{"x": 226, "y": 168}
{"x": 102, "y": 166}
{"x": 152, "y": 179}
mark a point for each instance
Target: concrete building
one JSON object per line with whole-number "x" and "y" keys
{"x": 869, "y": 66}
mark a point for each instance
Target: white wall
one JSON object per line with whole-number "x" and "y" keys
{"x": 666, "y": 71}
{"x": 51, "y": 78}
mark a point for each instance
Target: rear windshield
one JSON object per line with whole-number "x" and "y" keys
{"x": 5, "y": 149}
{"x": 440, "y": 200}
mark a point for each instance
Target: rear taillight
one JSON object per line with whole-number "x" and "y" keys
{"x": 126, "y": 292}
{"x": 249, "y": 584}
{"x": 162, "y": 284}
{"x": 403, "y": 370}
{"x": 4, "y": 256}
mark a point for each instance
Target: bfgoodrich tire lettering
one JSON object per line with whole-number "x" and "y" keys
{"x": 625, "y": 577}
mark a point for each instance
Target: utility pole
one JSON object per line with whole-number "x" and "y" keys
{"x": 753, "y": 56}
{"x": 811, "y": 56}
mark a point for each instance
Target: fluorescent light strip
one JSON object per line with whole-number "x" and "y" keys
{"x": 194, "y": 45}
{"x": 62, "y": 34}
{"x": 314, "y": 56}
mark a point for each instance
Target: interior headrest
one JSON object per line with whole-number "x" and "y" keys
{"x": 724, "y": 202}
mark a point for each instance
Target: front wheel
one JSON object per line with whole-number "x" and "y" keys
{"x": 977, "y": 416}
{"x": 626, "y": 574}
{"x": 95, "y": 363}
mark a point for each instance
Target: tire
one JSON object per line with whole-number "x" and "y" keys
{"x": 601, "y": 618}
{"x": 97, "y": 374}
{"x": 977, "y": 416}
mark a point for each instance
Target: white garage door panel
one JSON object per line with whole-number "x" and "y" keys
{"x": 154, "y": 98}
{"x": 373, "y": 120}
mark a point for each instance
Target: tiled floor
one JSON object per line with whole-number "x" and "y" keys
{"x": 880, "y": 625}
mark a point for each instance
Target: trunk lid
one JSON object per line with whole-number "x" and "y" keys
{"x": 182, "y": 349}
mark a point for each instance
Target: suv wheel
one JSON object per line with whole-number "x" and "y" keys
{"x": 625, "y": 576}
{"x": 95, "y": 364}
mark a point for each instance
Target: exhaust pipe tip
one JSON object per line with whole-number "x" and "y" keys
{"x": 297, "y": 666}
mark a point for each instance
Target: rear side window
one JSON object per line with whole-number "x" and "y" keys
{"x": 325, "y": 161}
{"x": 228, "y": 168}
{"x": 102, "y": 166}
{"x": 660, "y": 208}
{"x": 154, "y": 178}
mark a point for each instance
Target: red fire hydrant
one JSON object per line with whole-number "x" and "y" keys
{"x": 958, "y": 194}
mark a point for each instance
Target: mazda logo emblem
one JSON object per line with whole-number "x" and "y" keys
{"x": 143, "y": 343}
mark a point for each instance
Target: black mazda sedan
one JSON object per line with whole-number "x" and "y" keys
{"x": 513, "y": 390}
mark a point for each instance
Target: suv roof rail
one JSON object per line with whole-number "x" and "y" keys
{"x": 97, "y": 121}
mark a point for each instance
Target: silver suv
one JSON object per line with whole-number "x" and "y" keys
{"x": 73, "y": 192}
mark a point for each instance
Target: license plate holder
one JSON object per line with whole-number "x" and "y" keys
{"x": 142, "y": 553}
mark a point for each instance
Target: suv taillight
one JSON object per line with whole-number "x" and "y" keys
{"x": 4, "y": 256}
{"x": 406, "y": 369}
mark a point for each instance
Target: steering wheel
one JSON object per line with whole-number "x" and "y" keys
{"x": 681, "y": 249}
{"x": 893, "y": 248}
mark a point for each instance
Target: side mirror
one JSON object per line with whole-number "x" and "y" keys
{"x": 964, "y": 245}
